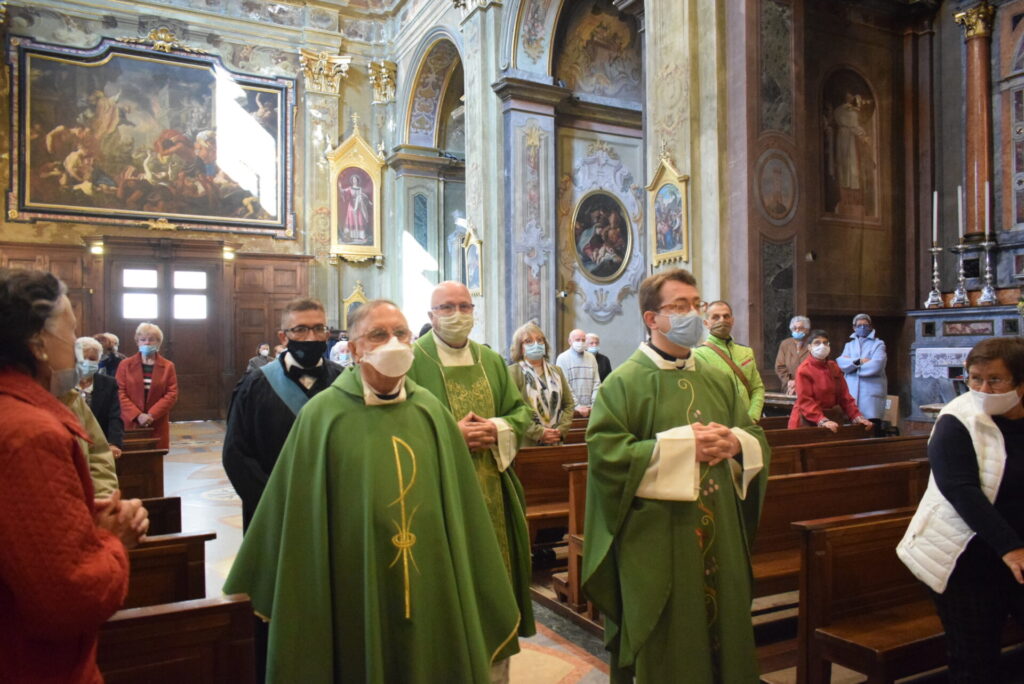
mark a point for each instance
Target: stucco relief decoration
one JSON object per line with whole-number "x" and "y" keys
{"x": 324, "y": 71}
{"x": 53, "y": 27}
{"x": 936, "y": 362}
{"x": 601, "y": 53}
{"x": 776, "y": 56}
{"x": 533, "y": 29}
{"x": 383, "y": 80}
{"x": 533, "y": 241}
{"x": 429, "y": 90}
{"x": 776, "y": 187}
{"x": 261, "y": 59}
{"x": 598, "y": 175}
{"x": 850, "y": 146}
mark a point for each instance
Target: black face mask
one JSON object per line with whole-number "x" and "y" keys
{"x": 307, "y": 353}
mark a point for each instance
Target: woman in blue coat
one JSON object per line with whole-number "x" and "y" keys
{"x": 863, "y": 362}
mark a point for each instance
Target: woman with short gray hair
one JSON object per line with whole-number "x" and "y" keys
{"x": 542, "y": 384}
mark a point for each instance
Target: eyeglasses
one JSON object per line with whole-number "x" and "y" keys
{"x": 449, "y": 309}
{"x": 996, "y": 383}
{"x": 301, "y": 330}
{"x": 683, "y": 307}
{"x": 381, "y": 335}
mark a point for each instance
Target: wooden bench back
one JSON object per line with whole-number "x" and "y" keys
{"x": 809, "y": 435}
{"x": 139, "y": 444}
{"x": 139, "y": 432}
{"x": 577, "y": 495}
{"x": 849, "y": 566}
{"x": 140, "y": 474}
{"x": 774, "y": 422}
{"x": 576, "y": 436}
{"x": 206, "y": 640}
{"x": 168, "y": 568}
{"x": 803, "y": 496}
{"x": 579, "y": 423}
{"x": 164, "y": 515}
{"x": 863, "y": 452}
{"x": 540, "y": 470}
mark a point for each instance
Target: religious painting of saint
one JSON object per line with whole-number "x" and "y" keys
{"x": 357, "y": 171}
{"x": 125, "y": 134}
{"x": 355, "y": 207}
{"x": 602, "y": 236}
{"x": 667, "y": 206}
{"x": 850, "y": 146}
{"x": 776, "y": 187}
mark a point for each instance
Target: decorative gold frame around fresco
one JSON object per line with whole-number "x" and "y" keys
{"x": 666, "y": 174}
{"x": 358, "y": 296}
{"x": 629, "y": 237}
{"x": 356, "y": 152}
{"x": 469, "y": 241}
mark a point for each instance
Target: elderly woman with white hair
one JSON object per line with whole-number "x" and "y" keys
{"x": 99, "y": 392}
{"x": 148, "y": 386}
{"x": 792, "y": 353}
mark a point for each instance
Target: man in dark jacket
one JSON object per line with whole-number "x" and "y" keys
{"x": 604, "y": 365}
{"x": 111, "y": 358}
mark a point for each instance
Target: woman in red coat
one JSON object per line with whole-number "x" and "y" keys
{"x": 148, "y": 386}
{"x": 63, "y": 564}
{"x": 821, "y": 392}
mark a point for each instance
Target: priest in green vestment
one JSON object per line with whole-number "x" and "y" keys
{"x": 675, "y": 483}
{"x": 371, "y": 552}
{"x": 474, "y": 383}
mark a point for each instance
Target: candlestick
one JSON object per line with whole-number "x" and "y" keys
{"x": 935, "y": 218}
{"x": 960, "y": 211}
{"x": 960, "y": 293}
{"x": 988, "y": 291}
{"x": 988, "y": 235}
{"x": 934, "y": 300}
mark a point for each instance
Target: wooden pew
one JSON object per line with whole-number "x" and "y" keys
{"x": 206, "y": 641}
{"x": 168, "y": 568}
{"x": 140, "y": 474}
{"x": 164, "y": 515}
{"x": 801, "y": 496}
{"x": 807, "y": 435}
{"x": 796, "y": 458}
{"x": 576, "y": 436}
{"x": 579, "y": 423}
{"x": 139, "y": 443}
{"x": 545, "y": 485}
{"x": 139, "y": 433}
{"x": 774, "y": 422}
{"x": 567, "y": 585}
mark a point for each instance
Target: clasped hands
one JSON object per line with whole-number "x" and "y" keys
{"x": 714, "y": 443}
{"x": 144, "y": 419}
{"x": 127, "y": 519}
{"x": 478, "y": 432}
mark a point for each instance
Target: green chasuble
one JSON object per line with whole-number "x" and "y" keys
{"x": 672, "y": 578}
{"x": 371, "y": 553}
{"x": 485, "y": 388}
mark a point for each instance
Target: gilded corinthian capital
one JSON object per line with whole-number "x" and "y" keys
{"x": 977, "y": 21}
{"x": 324, "y": 71}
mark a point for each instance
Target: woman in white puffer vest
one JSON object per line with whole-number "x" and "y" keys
{"x": 966, "y": 541}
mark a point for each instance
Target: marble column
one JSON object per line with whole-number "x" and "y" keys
{"x": 977, "y": 22}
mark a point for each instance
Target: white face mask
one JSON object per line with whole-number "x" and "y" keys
{"x": 455, "y": 328}
{"x": 392, "y": 359}
{"x": 577, "y": 346}
{"x": 995, "y": 404}
{"x": 821, "y": 351}
{"x": 264, "y": 352}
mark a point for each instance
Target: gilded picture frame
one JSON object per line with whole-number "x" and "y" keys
{"x": 602, "y": 236}
{"x": 351, "y": 303}
{"x": 472, "y": 248}
{"x": 148, "y": 133}
{"x": 669, "y": 209}
{"x": 357, "y": 174}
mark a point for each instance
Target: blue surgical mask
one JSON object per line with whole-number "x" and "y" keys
{"x": 87, "y": 368}
{"x": 534, "y": 350}
{"x": 345, "y": 359}
{"x": 147, "y": 349}
{"x": 862, "y": 330}
{"x": 687, "y": 330}
{"x": 593, "y": 350}
{"x": 799, "y": 334}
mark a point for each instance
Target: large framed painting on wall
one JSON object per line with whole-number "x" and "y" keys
{"x": 669, "y": 210}
{"x": 129, "y": 134}
{"x": 357, "y": 172}
{"x": 603, "y": 239}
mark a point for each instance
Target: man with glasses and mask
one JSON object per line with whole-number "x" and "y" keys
{"x": 676, "y": 479}
{"x": 371, "y": 553}
{"x": 263, "y": 409}
{"x": 474, "y": 384}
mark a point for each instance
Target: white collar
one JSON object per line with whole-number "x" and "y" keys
{"x": 453, "y": 356}
{"x": 370, "y": 397}
{"x": 689, "y": 363}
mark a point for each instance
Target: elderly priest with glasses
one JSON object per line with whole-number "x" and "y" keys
{"x": 371, "y": 553}
{"x": 474, "y": 384}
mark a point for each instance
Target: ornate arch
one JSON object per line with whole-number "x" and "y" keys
{"x": 528, "y": 35}
{"x": 438, "y": 60}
